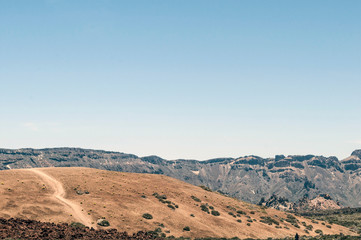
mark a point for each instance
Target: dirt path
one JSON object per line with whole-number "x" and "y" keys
{"x": 59, "y": 194}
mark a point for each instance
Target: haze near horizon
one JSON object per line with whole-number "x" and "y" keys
{"x": 182, "y": 79}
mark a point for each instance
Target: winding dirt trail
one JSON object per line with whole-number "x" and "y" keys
{"x": 59, "y": 195}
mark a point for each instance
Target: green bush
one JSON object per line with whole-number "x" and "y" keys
{"x": 77, "y": 225}
{"x": 215, "y": 213}
{"x": 171, "y": 206}
{"x": 231, "y": 208}
{"x": 268, "y": 220}
{"x": 159, "y": 197}
{"x": 204, "y": 208}
{"x": 241, "y": 212}
{"x": 104, "y": 223}
{"x": 147, "y": 216}
{"x": 309, "y": 227}
{"x": 291, "y": 219}
{"x": 186, "y": 228}
{"x": 232, "y": 214}
{"x": 196, "y": 199}
{"x": 206, "y": 188}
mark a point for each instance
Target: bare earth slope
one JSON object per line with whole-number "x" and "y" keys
{"x": 59, "y": 193}
{"x": 123, "y": 198}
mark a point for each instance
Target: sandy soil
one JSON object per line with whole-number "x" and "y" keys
{"x": 49, "y": 194}
{"x": 69, "y": 206}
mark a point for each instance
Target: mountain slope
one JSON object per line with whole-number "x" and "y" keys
{"x": 124, "y": 198}
{"x": 248, "y": 178}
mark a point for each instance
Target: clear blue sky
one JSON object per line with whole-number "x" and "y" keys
{"x": 182, "y": 79}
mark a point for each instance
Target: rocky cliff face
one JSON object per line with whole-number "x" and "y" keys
{"x": 248, "y": 178}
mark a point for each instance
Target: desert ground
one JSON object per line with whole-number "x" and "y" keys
{"x": 86, "y": 195}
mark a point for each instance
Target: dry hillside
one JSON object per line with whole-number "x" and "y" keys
{"x": 86, "y": 195}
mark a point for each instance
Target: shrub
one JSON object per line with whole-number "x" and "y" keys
{"x": 309, "y": 227}
{"x": 205, "y": 188}
{"x": 186, "y": 228}
{"x": 318, "y": 231}
{"x": 147, "y": 216}
{"x": 241, "y": 212}
{"x": 77, "y": 225}
{"x": 171, "y": 206}
{"x": 196, "y": 199}
{"x": 159, "y": 197}
{"x": 231, "y": 208}
{"x": 239, "y": 220}
{"x": 269, "y": 220}
{"x": 215, "y": 213}
{"x": 296, "y": 225}
{"x": 205, "y": 208}
{"x": 232, "y": 214}
{"x": 103, "y": 223}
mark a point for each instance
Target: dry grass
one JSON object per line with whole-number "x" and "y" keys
{"x": 123, "y": 198}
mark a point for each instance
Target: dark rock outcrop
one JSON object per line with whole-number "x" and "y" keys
{"x": 30, "y": 229}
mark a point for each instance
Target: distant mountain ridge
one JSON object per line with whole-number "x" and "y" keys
{"x": 248, "y": 178}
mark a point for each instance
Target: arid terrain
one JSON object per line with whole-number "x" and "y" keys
{"x": 248, "y": 178}
{"x": 134, "y": 202}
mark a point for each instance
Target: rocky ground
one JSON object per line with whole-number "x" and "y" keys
{"x": 29, "y": 229}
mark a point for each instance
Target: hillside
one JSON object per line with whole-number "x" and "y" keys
{"x": 348, "y": 217}
{"x": 133, "y": 202}
{"x": 321, "y": 202}
{"x": 247, "y": 178}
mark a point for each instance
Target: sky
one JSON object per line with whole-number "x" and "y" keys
{"x": 182, "y": 79}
